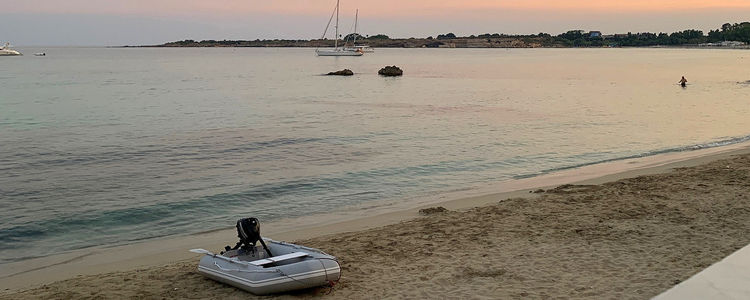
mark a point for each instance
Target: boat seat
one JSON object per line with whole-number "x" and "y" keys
{"x": 279, "y": 258}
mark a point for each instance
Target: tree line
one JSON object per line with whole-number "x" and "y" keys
{"x": 578, "y": 38}
{"x": 574, "y": 38}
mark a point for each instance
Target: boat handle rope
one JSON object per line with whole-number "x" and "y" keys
{"x": 277, "y": 270}
{"x": 292, "y": 278}
{"x": 341, "y": 271}
{"x": 324, "y": 270}
{"x": 248, "y": 271}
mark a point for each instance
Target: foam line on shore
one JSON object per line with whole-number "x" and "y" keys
{"x": 715, "y": 144}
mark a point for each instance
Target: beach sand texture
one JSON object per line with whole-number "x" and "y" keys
{"x": 628, "y": 239}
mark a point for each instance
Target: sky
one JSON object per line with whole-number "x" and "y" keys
{"x": 142, "y": 22}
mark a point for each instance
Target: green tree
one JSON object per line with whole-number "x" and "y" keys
{"x": 352, "y": 36}
{"x": 379, "y": 37}
{"x": 446, "y": 36}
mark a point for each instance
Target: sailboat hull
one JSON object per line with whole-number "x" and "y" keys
{"x": 337, "y": 53}
{"x": 363, "y": 49}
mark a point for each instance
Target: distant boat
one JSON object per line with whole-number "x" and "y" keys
{"x": 358, "y": 48}
{"x": 40, "y": 54}
{"x": 336, "y": 51}
{"x": 6, "y": 51}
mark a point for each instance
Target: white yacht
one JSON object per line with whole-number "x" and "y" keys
{"x": 6, "y": 51}
{"x": 336, "y": 51}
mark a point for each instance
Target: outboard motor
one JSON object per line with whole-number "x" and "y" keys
{"x": 248, "y": 230}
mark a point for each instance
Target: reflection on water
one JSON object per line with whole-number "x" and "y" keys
{"x": 116, "y": 145}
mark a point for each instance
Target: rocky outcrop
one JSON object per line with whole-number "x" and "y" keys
{"x": 391, "y": 71}
{"x": 344, "y": 72}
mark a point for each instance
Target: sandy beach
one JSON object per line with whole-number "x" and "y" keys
{"x": 611, "y": 235}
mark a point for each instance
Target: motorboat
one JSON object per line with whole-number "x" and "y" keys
{"x": 271, "y": 268}
{"x": 6, "y": 51}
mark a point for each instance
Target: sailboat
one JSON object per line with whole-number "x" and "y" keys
{"x": 336, "y": 51}
{"x": 358, "y": 48}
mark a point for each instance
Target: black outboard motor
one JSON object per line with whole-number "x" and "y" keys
{"x": 248, "y": 230}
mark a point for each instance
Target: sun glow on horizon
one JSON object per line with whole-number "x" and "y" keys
{"x": 113, "y": 22}
{"x": 382, "y": 8}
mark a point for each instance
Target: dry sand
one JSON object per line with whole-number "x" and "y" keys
{"x": 630, "y": 238}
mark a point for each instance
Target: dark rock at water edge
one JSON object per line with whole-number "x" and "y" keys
{"x": 432, "y": 211}
{"x": 344, "y": 72}
{"x": 391, "y": 71}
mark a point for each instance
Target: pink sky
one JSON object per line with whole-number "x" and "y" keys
{"x": 116, "y": 22}
{"x": 380, "y": 8}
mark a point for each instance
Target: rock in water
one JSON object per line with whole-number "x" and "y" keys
{"x": 344, "y": 72}
{"x": 391, "y": 71}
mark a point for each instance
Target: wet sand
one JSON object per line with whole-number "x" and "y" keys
{"x": 627, "y": 235}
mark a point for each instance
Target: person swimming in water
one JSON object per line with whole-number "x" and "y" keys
{"x": 683, "y": 81}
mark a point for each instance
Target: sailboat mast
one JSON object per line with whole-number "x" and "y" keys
{"x": 336, "y": 40}
{"x": 356, "y": 20}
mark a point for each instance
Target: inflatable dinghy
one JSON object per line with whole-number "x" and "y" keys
{"x": 281, "y": 267}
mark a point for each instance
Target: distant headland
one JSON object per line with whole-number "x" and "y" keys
{"x": 735, "y": 35}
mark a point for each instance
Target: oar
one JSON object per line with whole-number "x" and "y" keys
{"x": 202, "y": 251}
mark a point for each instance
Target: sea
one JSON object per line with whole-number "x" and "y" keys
{"x": 111, "y": 146}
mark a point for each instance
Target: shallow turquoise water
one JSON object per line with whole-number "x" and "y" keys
{"x": 109, "y": 146}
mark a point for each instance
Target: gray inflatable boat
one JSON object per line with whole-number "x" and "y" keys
{"x": 254, "y": 269}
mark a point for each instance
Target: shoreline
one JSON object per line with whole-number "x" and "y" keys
{"x": 39, "y": 271}
{"x": 746, "y": 47}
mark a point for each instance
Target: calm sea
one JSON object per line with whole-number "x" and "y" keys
{"x": 109, "y": 146}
